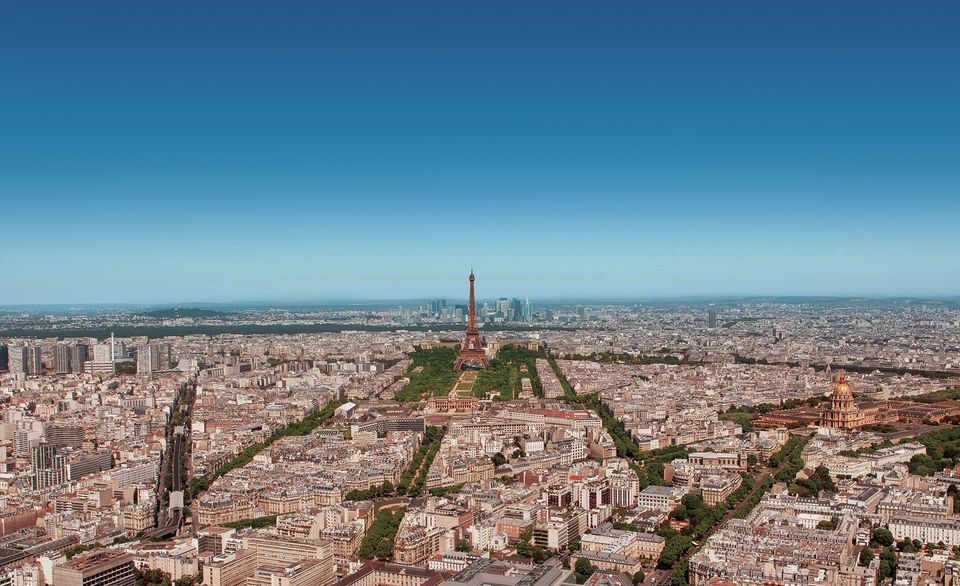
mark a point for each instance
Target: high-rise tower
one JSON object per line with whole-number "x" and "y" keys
{"x": 472, "y": 356}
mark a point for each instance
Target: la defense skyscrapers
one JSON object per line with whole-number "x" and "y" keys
{"x": 472, "y": 356}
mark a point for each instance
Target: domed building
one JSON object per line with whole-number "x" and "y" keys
{"x": 843, "y": 412}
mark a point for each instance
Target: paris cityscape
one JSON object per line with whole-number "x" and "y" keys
{"x": 741, "y": 441}
{"x": 500, "y": 294}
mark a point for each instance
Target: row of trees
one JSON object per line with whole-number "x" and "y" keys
{"x": 943, "y": 451}
{"x": 650, "y": 468}
{"x": 790, "y": 461}
{"x": 764, "y": 408}
{"x": 302, "y": 427}
{"x": 701, "y": 519}
{"x": 520, "y": 355}
{"x": 161, "y": 578}
{"x": 445, "y": 490}
{"x": 78, "y": 549}
{"x": 647, "y": 465}
{"x": 382, "y": 490}
{"x": 879, "y": 428}
{"x": 378, "y": 541}
{"x": 820, "y": 480}
{"x": 414, "y": 479}
{"x": 431, "y": 373}
{"x": 945, "y": 394}
{"x": 569, "y": 395}
{"x": 942, "y": 374}
{"x": 255, "y": 523}
{"x": 626, "y": 447}
{"x": 504, "y": 375}
{"x": 867, "y": 450}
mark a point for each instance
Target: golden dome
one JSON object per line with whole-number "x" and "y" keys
{"x": 842, "y": 388}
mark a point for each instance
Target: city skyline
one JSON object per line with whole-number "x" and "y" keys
{"x": 431, "y": 293}
{"x": 413, "y": 302}
{"x": 624, "y": 151}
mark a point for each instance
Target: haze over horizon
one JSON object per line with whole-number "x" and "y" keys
{"x": 245, "y": 304}
{"x": 157, "y": 154}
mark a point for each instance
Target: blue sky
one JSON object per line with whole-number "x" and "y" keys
{"x": 164, "y": 152}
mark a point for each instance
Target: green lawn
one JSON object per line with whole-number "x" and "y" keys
{"x": 436, "y": 377}
{"x": 505, "y": 375}
{"x": 744, "y": 419}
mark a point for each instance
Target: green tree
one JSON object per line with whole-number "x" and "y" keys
{"x": 882, "y": 537}
{"x": 829, "y": 525}
{"x": 888, "y": 563}
{"x": 431, "y": 373}
{"x": 583, "y": 570}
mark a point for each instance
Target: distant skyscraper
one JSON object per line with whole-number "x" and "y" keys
{"x": 19, "y": 359}
{"x": 153, "y": 357}
{"x": 528, "y": 311}
{"x": 517, "y": 310}
{"x": 166, "y": 358}
{"x": 148, "y": 359}
{"x": 103, "y": 353}
{"x": 503, "y": 308}
{"x": 712, "y": 317}
{"x": 102, "y": 362}
{"x": 62, "y": 359}
{"x": 78, "y": 356}
{"x": 35, "y": 360}
{"x": 4, "y": 357}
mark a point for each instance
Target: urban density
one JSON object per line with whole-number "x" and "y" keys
{"x": 496, "y": 293}
{"x": 756, "y": 442}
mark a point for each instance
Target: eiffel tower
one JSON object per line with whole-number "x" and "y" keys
{"x": 472, "y": 356}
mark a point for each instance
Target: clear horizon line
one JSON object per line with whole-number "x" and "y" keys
{"x": 558, "y": 298}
